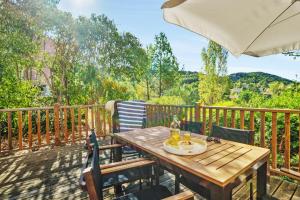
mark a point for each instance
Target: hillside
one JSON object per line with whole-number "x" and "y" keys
{"x": 257, "y": 77}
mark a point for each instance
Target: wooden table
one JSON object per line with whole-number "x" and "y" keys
{"x": 219, "y": 169}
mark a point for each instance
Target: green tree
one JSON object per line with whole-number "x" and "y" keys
{"x": 164, "y": 63}
{"x": 213, "y": 82}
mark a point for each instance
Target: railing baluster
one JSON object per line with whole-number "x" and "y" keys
{"x": 9, "y": 128}
{"x": 242, "y": 119}
{"x": 287, "y": 130}
{"x": 204, "y": 121}
{"x": 79, "y": 124}
{"x": 56, "y": 124}
{"x": 232, "y": 118}
{"x": 98, "y": 124}
{"x": 47, "y": 128}
{"x": 20, "y": 127}
{"x": 92, "y": 115}
{"x": 66, "y": 135}
{"x": 191, "y": 114}
{"x": 217, "y": 117}
{"x": 73, "y": 125}
{"x": 274, "y": 140}
{"x": 210, "y": 119}
{"x": 197, "y": 113}
{"x": 104, "y": 122}
{"x": 299, "y": 143}
{"x": 109, "y": 122}
{"x": 86, "y": 119}
{"x": 39, "y": 128}
{"x": 252, "y": 120}
{"x": 262, "y": 129}
{"x": 29, "y": 129}
{"x": 225, "y": 117}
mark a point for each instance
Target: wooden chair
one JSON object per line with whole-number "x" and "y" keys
{"x": 129, "y": 115}
{"x": 116, "y": 173}
{"x": 194, "y": 127}
{"x": 94, "y": 177}
{"x": 232, "y": 134}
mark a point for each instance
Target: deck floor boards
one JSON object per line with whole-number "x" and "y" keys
{"x": 54, "y": 174}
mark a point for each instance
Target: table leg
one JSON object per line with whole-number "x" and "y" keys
{"x": 219, "y": 193}
{"x": 262, "y": 181}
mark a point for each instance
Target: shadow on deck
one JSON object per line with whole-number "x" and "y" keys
{"x": 54, "y": 174}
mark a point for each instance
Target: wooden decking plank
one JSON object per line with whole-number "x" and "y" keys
{"x": 296, "y": 195}
{"x": 285, "y": 191}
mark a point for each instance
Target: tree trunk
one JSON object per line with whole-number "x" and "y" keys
{"x": 148, "y": 89}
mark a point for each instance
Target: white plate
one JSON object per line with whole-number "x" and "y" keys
{"x": 196, "y": 148}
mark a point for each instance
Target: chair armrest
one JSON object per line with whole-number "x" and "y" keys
{"x": 136, "y": 163}
{"x": 111, "y": 146}
{"x": 116, "y": 164}
{"x": 186, "y": 195}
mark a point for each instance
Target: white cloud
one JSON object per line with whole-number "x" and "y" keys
{"x": 80, "y": 7}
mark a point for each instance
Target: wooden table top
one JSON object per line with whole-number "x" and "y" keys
{"x": 220, "y": 163}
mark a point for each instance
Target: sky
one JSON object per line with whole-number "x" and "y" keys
{"x": 144, "y": 19}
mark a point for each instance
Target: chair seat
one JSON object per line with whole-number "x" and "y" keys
{"x": 155, "y": 193}
{"x": 128, "y": 150}
{"x": 126, "y": 176}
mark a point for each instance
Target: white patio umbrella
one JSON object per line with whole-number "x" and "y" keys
{"x": 252, "y": 27}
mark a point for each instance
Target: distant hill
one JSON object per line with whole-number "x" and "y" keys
{"x": 244, "y": 77}
{"x": 257, "y": 77}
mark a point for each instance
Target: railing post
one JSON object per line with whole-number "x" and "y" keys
{"x": 197, "y": 113}
{"x": 56, "y": 123}
{"x": 274, "y": 140}
{"x": 287, "y": 130}
{"x": 9, "y": 127}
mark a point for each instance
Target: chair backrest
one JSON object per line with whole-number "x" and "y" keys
{"x": 233, "y": 134}
{"x": 93, "y": 177}
{"x": 129, "y": 115}
{"x": 194, "y": 127}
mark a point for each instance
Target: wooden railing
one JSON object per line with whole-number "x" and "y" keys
{"x": 276, "y": 129}
{"x": 32, "y": 128}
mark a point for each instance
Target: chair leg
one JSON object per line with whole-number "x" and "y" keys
{"x": 177, "y": 184}
{"x": 156, "y": 171}
{"x": 251, "y": 190}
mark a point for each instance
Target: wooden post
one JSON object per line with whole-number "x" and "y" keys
{"x": 274, "y": 140}
{"x": 30, "y": 129}
{"x": 232, "y": 118}
{"x": 56, "y": 123}
{"x": 47, "y": 128}
{"x": 262, "y": 129}
{"x": 9, "y": 127}
{"x": 20, "y": 127}
{"x": 210, "y": 119}
{"x": 242, "y": 119}
{"x": 66, "y": 135}
{"x": 92, "y": 115}
{"x": 217, "y": 117}
{"x": 252, "y": 120}
{"x": 86, "y": 121}
{"x": 225, "y": 117}
{"x": 197, "y": 113}
{"x": 79, "y": 124}
{"x": 191, "y": 114}
{"x": 204, "y": 121}
{"x": 73, "y": 125}
{"x": 287, "y": 130}
{"x": 39, "y": 128}
{"x": 104, "y": 122}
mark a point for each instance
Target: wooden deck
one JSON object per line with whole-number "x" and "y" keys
{"x": 54, "y": 174}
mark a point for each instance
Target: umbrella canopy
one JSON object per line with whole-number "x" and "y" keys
{"x": 252, "y": 27}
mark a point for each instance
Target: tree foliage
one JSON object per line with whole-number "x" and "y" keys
{"x": 213, "y": 82}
